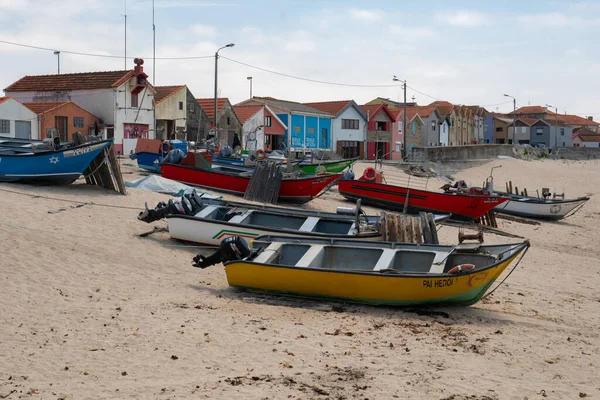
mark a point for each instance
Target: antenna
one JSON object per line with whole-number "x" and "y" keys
{"x": 125, "y": 15}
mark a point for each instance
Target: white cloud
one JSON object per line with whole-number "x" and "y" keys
{"x": 572, "y": 52}
{"x": 553, "y": 19}
{"x": 301, "y": 42}
{"x": 410, "y": 34}
{"x": 204, "y": 30}
{"x": 187, "y": 4}
{"x": 463, "y": 18}
{"x": 366, "y": 15}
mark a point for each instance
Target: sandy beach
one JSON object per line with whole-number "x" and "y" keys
{"x": 91, "y": 311}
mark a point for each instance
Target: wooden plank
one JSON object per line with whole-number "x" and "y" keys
{"x": 434, "y": 235}
{"x": 427, "y": 237}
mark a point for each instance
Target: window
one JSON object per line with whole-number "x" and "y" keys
{"x": 268, "y": 120}
{"x": 563, "y": 144}
{"x": 433, "y": 123}
{"x": 562, "y": 132}
{"x": 524, "y": 129}
{"x": 78, "y": 122}
{"x": 4, "y": 126}
{"x": 400, "y": 127}
{"x": 134, "y": 100}
{"x": 349, "y": 124}
{"x": 267, "y": 139}
{"x": 398, "y": 147}
{"x": 381, "y": 126}
{"x": 324, "y": 138}
{"x": 414, "y": 128}
{"x": 228, "y": 121}
{"x": 297, "y": 129}
{"x": 311, "y": 130}
{"x": 499, "y": 129}
{"x": 539, "y": 131}
{"x": 181, "y": 105}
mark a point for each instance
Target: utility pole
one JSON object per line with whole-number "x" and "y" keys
{"x": 555, "y": 124}
{"x": 250, "y": 79}
{"x": 153, "y": 47}
{"x": 57, "y": 54}
{"x": 514, "y": 117}
{"x": 216, "y": 82}
{"x": 395, "y": 79}
{"x": 125, "y": 15}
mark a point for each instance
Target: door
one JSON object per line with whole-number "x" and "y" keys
{"x": 61, "y": 127}
{"x": 23, "y": 129}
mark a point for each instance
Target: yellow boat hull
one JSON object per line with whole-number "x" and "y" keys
{"x": 365, "y": 287}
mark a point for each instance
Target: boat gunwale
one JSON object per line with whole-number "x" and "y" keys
{"x": 534, "y": 200}
{"x": 46, "y": 152}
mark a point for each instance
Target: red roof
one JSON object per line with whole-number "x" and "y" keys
{"x": 79, "y": 81}
{"x": 576, "y": 120}
{"x": 593, "y": 137}
{"x": 208, "y": 105}
{"x": 443, "y": 107}
{"x": 528, "y": 121}
{"x": 531, "y": 110}
{"x": 411, "y": 112}
{"x": 162, "y": 92}
{"x": 245, "y": 112}
{"x": 42, "y": 108}
{"x": 330, "y": 107}
{"x": 373, "y": 109}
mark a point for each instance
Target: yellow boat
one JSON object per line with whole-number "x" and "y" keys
{"x": 380, "y": 273}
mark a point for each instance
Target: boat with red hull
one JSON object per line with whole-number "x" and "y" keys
{"x": 298, "y": 190}
{"x": 462, "y": 207}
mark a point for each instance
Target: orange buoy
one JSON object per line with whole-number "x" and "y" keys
{"x": 461, "y": 268}
{"x": 260, "y": 154}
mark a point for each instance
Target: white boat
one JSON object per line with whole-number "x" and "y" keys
{"x": 533, "y": 207}
{"x": 209, "y": 221}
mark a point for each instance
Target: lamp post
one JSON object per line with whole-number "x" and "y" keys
{"x": 216, "y": 81}
{"x": 395, "y": 79}
{"x": 57, "y": 54}
{"x": 514, "y": 117}
{"x": 250, "y": 79}
{"x": 555, "y": 124}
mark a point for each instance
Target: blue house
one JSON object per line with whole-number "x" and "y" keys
{"x": 488, "y": 128}
{"x": 308, "y": 128}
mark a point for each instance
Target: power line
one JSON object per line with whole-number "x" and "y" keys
{"x": 77, "y": 53}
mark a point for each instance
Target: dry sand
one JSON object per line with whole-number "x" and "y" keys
{"x": 91, "y": 311}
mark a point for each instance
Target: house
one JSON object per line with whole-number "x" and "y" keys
{"x": 570, "y": 120}
{"x": 389, "y": 103}
{"x": 585, "y": 137}
{"x": 348, "y": 126}
{"x": 16, "y": 120}
{"x": 477, "y": 128}
{"x": 537, "y": 112}
{"x": 431, "y": 119}
{"x": 414, "y": 134}
{"x": 520, "y": 131}
{"x": 307, "y": 127}
{"x": 122, "y": 99}
{"x": 501, "y": 124}
{"x": 379, "y": 131}
{"x": 551, "y": 133}
{"x": 178, "y": 113}
{"x": 488, "y": 127}
{"x": 62, "y": 119}
{"x": 575, "y": 121}
{"x": 448, "y": 120}
{"x": 229, "y": 126}
{"x": 262, "y": 129}
{"x": 463, "y": 125}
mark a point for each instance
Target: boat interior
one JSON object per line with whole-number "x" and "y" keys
{"x": 377, "y": 257}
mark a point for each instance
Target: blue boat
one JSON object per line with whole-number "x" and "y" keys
{"x": 43, "y": 162}
{"x": 150, "y": 161}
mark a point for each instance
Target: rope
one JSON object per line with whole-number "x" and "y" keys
{"x": 94, "y": 171}
{"x": 511, "y": 271}
{"x": 332, "y": 184}
{"x": 91, "y": 203}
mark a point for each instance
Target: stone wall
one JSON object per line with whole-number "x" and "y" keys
{"x": 459, "y": 153}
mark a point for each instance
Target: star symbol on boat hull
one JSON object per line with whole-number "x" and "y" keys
{"x": 54, "y": 160}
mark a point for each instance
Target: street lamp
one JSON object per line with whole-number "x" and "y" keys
{"x": 395, "y": 79}
{"x": 250, "y": 79}
{"x": 216, "y": 75}
{"x": 514, "y": 117}
{"x": 57, "y": 54}
{"x": 555, "y": 124}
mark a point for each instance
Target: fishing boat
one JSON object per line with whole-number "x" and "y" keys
{"x": 540, "y": 208}
{"x": 149, "y": 153}
{"x": 46, "y": 161}
{"x": 378, "y": 273}
{"x": 463, "y": 207}
{"x": 195, "y": 218}
{"x": 307, "y": 167}
{"x": 295, "y": 190}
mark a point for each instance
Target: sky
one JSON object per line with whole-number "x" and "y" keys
{"x": 465, "y": 52}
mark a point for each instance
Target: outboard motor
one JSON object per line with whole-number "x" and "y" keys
{"x": 348, "y": 175}
{"x": 174, "y": 156}
{"x": 231, "y": 248}
{"x": 188, "y": 204}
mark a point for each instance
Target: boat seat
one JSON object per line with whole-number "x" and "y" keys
{"x": 309, "y": 258}
{"x": 269, "y": 254}
{"x": 309, "y": 224}
{"x": 385, "y": 261}
{"x": 437, "y": 267}
{"x": 238, "y": 219}
{"x": 208, "y": 212}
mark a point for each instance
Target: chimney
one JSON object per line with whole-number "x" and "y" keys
{"x": 138, "y": 69}
{"x": 590, "y": 118}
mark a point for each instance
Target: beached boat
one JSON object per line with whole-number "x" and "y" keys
{"x": 295, "y": 190}
{"x": 379, "y": 273}
{"x": 46, "y": 161}
{"x": 307, "y": 167}
{"x": 208, "y": 221}
{"x": 533, "y": 207}
{"x": 149, "y": 153}
{"x": 462, "y": 206}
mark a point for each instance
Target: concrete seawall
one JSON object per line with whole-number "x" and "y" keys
{"x": 490, "y": 151}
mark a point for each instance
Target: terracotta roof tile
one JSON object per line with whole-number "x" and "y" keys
{"x": 208, "y": 105}
{"x": 245, "y": 112}
{"x": 373, "y": 109}
{"x": 528, "y": 121}
{"x": 3, "y": 99}
{"x": 79, "y": 81}
{"x": 576, "y": 120}
{"x": 330, "y": 107}
{"x": 162, "y": 92}
{"x": 290, "y": 105}
{"x": 44, "y": 107}
{"x": 594, "y": 137}
{"x": 531, "y": 110}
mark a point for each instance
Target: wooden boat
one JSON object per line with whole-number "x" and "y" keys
{"x": 208, "y": 221}
{"x": 296, "y": 190}
{"x": 461, "y": 206}
{"x": 149, "y": 153}
{"x": 307, "y": 167}
{"x": 533, "y": 207}
{"x": 379, "y": 273}
{"x": 46, "y": 161}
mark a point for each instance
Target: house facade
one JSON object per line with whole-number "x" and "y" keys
{"x": 63, "y": 119}
{"x": 228, "y": 131}
{"x": 17, "y": 121}
{"x": 431, "y": 119}
{"x": 584, "y": 137}
{"x": 413, "y": 134}
{"x": 380, "y": 131}
{"x": 501, "y": 125}
{"x": 444, "y": 131}
{"x": 178, "y": 114}
{"x": 124, "y": 100}
{"x": 348, "y": 126}
{"x": 488, "y": 128}
{"x": 262, "y": 129}
{"x": 307, "y": 128}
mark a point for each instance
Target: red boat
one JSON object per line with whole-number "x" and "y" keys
{"x": 300, "y": 190}
{"x": 463, "y": 207}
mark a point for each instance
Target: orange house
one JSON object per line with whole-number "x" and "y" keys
{"x": 64, "y": 118}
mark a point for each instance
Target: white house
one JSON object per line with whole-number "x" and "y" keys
{"x": 261, "y": 127}
{"x": 348, "y": 126}
{"x": 178, "y": 112}
{"x": 123, "y": 99}
{"x": 444, "y": 130}
{"x": 16, "y": 120}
